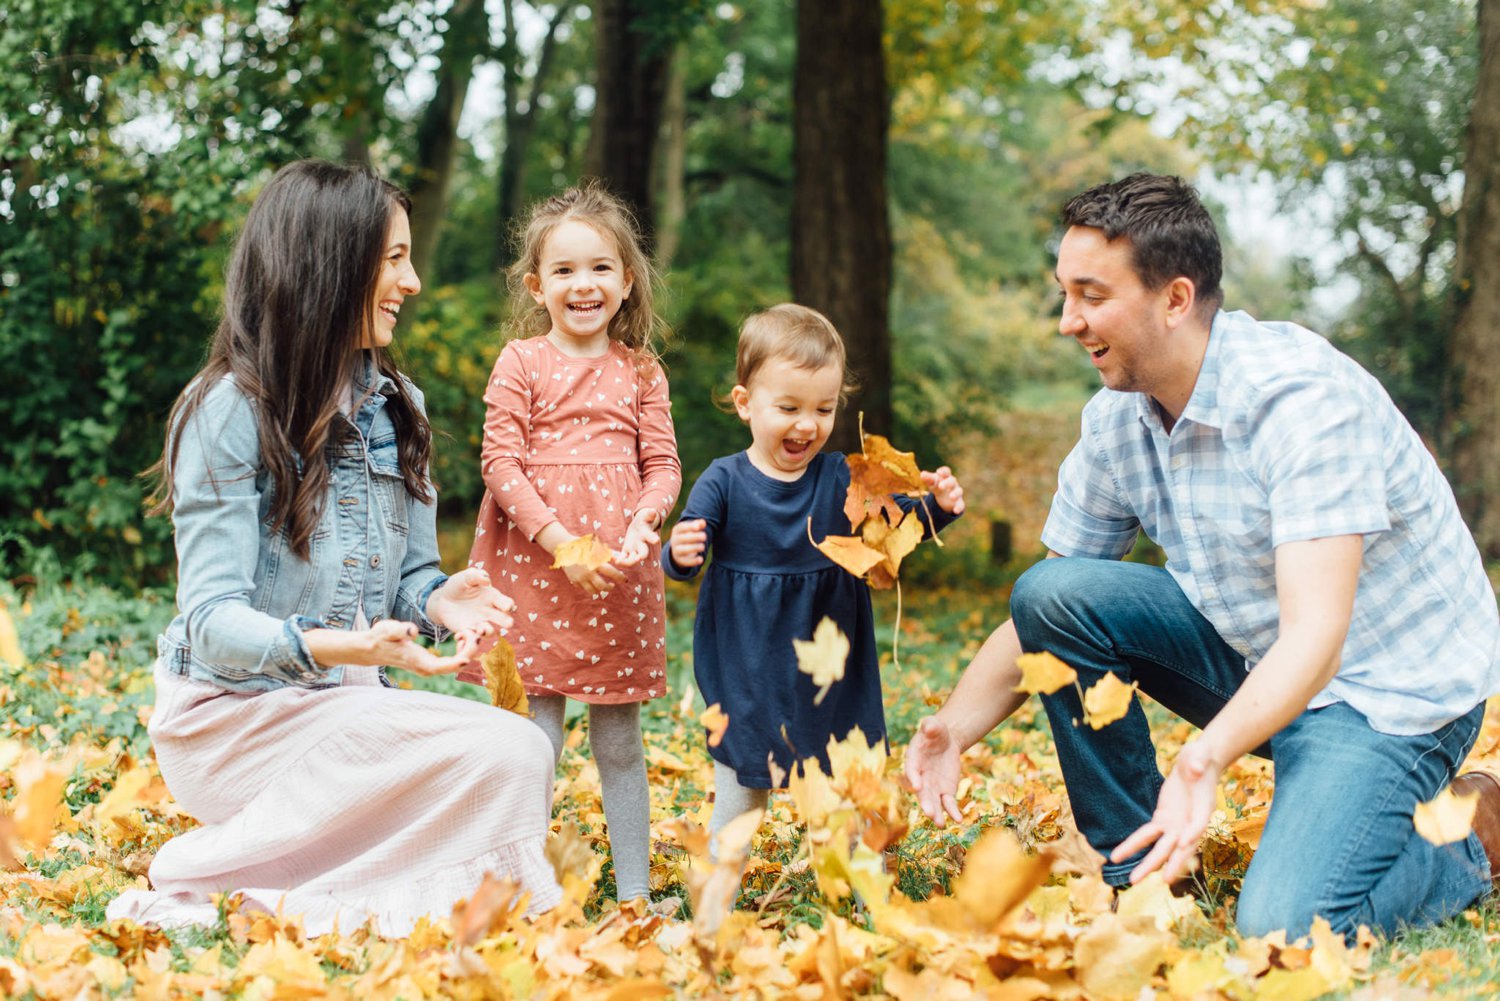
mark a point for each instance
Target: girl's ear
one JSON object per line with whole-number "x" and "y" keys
{"x": 629, "y": 283}
{"x": 533, "y": 285}
{"x": 740, "y": 397}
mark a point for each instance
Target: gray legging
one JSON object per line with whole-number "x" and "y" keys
{"x": 615, "y": 740}
{"x": 730, "y": 800}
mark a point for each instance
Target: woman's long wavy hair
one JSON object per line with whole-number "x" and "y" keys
{"x": 298, "y": 301}
{"x": 637, "y": 325}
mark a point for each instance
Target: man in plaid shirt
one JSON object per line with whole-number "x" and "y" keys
{"x": 1322, "y": 602}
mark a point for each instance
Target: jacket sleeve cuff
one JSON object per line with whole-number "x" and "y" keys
{"x": 290, "y": 658}
{"x": 411, "y": 606}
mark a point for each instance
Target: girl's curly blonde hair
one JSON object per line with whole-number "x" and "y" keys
{"x": 636, "y": 325}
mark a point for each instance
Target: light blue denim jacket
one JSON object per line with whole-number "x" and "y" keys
{"x": 244, "y": 598}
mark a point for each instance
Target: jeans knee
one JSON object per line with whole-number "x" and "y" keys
{"x": 1290, "y": 908}
{"x": 1055, "y": 597}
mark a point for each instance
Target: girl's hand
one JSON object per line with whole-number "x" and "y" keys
{"x": 640, "y": 536}
{"x": 688, "y": 542}
{"x": 595, "y": 583}
{"x": 946, "y": 489}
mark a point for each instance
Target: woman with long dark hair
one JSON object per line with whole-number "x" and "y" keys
{"x": 295, "y": 472}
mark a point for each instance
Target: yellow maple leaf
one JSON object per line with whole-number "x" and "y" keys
{"x": 584, "y": 551}
{"x": 896, "y": 543}
{"x": 823, "y": 656}
{"x": 1117, "y": 956}
{"x": 1109, "y": 699}
{"x": 1446, "y": 818}
{"x": 715, "y": 721}
{"x": 1042, "y": 673}
{"x": 503, "y": 679}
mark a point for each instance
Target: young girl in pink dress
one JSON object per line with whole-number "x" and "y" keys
{"x": 578, "y": 441}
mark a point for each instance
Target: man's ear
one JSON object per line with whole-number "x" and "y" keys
{"x": 740, "y": 397}
{"x": 533, "y": 285}
{"x": 1181, "y": 300}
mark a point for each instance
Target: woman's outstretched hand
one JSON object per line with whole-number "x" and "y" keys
{"x": 470, "y": 607}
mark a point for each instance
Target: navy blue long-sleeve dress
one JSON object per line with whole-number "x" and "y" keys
{"x": 765, "y": 586}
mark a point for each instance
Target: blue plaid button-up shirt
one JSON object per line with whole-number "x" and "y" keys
{"x": 1286, "y": 439}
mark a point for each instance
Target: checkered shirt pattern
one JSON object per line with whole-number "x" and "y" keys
{"x": 1286, "y": 439}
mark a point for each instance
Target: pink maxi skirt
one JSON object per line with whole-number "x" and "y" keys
{"x": 343, "y": 804}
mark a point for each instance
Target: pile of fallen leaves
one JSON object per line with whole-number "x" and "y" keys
{"x": 847, "y": 890}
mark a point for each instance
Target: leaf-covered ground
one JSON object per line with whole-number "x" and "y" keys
{"x": 847, "y": 892}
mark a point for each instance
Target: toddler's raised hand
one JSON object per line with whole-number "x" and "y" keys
{"x": 946, "y": 489}
{"x": 688, "y": 541}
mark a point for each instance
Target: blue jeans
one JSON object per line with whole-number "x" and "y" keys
{"x": 1339, "y": 840}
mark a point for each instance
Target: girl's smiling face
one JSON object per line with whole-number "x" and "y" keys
{"x": 790, "y": 411}
{"x": 581, "y": 283}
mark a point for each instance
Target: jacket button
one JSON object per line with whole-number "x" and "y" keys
{"x": 375, "y": 561}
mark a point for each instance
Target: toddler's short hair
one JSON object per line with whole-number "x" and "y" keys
{"x": 802, "y": 336}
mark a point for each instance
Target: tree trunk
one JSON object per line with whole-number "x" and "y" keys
{"x": 671, "y": 158}
{"x": 630, "y": 82}
{"x": 437, "y": 134}
{"x": 1476, "y": 333}
{"x": 841, "y": 237}
{"x": 519, "y": 124}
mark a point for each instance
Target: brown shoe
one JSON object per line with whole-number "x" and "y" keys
{"x": 1486, "y": 814}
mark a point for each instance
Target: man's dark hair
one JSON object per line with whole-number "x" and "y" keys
{"x": 1170, "y": 231}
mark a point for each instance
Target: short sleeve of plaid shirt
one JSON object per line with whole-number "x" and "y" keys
{"x": 1089, "y": 518}
{"x": 1319, "y": 450}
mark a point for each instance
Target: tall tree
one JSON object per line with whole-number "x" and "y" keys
{"x": 841, "y": 234}
{"x": 633, "y": 60}
{"x": 1476, "y": 333}
{"x": 465, "y": 38}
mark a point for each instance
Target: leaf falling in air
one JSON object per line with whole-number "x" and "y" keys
{"x": 896, "y": 543}
{"x": 503, "y": 680}
{"x": 1446, "y": 818}
{"x": 823, "y": 656}
{"x": 1042, "y": 673}
{"x": 1108, "y": 700}
{"x": 584, "y": 551}
{"x": 715, "y": 721}
{"x": 10, "y": 644}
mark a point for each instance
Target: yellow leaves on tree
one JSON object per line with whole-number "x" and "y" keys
{"x": 503, "y": 678}
{"x": 1042, "y": 673}
{"x": 822, "y": 658}
{"x": 584, "y": 551}
{"x": 1446, "y": 818}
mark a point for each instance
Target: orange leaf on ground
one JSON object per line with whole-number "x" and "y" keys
{"x": 997, "y": 876}
{"x": 1108, "y": 700}
{"x": 1446, "y": 818}
{"x": 1042, "y": 673}
{"x": 584, "y": 551}
{"x": 716, "y": 721}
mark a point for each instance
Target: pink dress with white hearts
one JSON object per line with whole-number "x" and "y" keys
{"x": 587, "y": 442}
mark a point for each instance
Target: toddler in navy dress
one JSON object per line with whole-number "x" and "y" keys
{"x": 768, "y": 584}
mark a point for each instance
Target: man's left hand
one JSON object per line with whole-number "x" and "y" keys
{"x": 1183, "y": 809}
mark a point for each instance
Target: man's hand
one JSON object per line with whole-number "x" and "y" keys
{"x": 946, "y": 490}
{"x": 688, "y": 542}
{"x": 932, "y": 769}
{"x": 1183, "y": 809}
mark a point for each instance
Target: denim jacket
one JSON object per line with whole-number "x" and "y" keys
{"x": 244, "y": 598}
